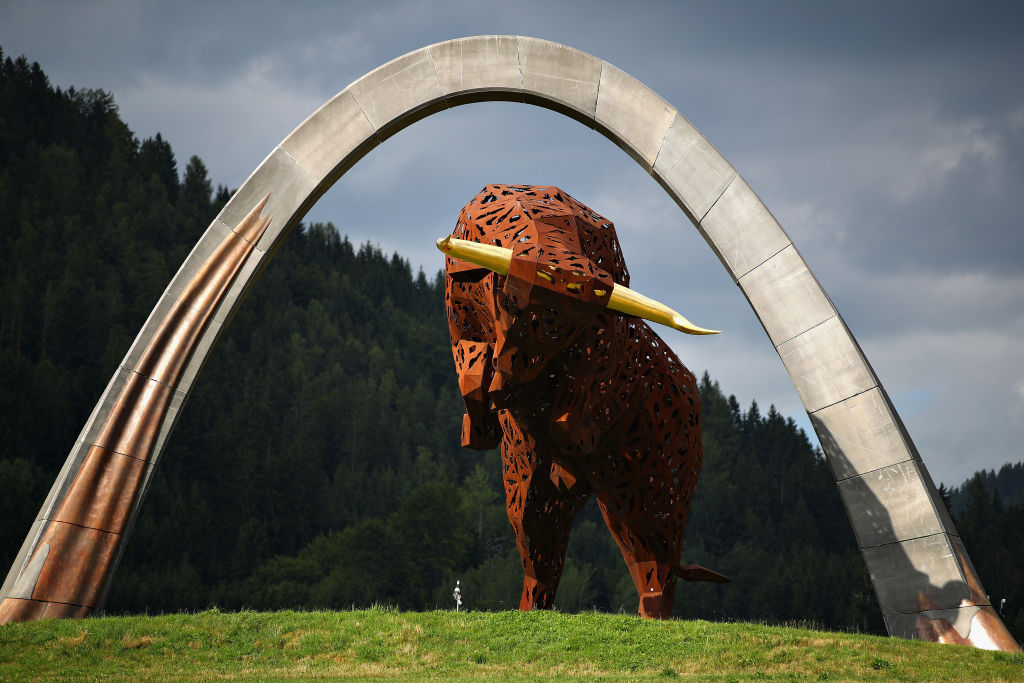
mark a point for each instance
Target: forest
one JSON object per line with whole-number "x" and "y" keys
{"x": 317, "y": 464}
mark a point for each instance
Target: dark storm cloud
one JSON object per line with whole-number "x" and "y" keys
{"x": 887, "y": 137}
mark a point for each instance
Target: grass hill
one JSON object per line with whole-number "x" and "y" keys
{"x": 385, "y": 643}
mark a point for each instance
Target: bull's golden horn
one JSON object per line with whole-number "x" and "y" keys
{"x": 623, "y": 299}
{"x": 486, "y": 255}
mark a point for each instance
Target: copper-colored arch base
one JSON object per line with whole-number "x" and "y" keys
{"x": 17, "y": 609}
{"x": 985, "y": 629}
{"x": 77, "y": 551}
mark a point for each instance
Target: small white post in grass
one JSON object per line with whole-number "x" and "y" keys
{"x": 457, "y": 594}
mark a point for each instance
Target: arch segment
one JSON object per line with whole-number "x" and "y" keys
{"x": 923, "y": 578}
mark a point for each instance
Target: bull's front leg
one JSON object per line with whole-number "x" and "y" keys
{"x": 480, "y": 429}
{"x": 542, "y": 499}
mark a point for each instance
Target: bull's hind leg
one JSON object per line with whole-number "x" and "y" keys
{"x": 645, "y": 501}
{"x": 542, "y": 501}
{"x": 651, "y": 551}
{"x": 646, "y": 484}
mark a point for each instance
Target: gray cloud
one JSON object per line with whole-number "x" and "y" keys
{"x": 887, "y": 138}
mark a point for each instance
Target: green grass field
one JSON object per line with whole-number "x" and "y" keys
{"x": 380, "y": 643}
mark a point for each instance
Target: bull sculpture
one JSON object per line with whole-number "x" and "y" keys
{"x": 555, "y": 364}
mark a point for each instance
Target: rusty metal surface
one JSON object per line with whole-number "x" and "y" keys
{"x": 75, "y": 555}
{"x": 581, "y": 400}
{"x": 14, "y": 609}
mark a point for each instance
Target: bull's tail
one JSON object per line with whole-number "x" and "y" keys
{"x": 695, "y": 572}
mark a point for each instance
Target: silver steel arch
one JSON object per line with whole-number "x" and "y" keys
{"x": 921, "y": 573}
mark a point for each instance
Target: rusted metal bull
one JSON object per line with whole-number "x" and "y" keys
{"x": 583, "y": 397}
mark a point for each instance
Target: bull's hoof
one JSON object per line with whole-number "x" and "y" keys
{"x": 654, "y": 606}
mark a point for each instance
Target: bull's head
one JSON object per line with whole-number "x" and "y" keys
{"x": 532, "y": 270}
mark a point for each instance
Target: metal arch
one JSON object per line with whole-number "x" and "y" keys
{"x": 922, "y": 576}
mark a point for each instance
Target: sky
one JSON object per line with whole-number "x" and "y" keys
{"x": 887, "y": 138}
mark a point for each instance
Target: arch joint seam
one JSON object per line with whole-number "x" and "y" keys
{"x": 597, "y": 95}
{"x": 437, "y": 76}
{"x": 376, "y": 136}
{"x": 907, "y": 540}
{"x": 83, "y": 526}
{"x": 376, "y": 131}
{"x": 304, "y": 170}
{"x": 877, "y": 469}
{"x": 876, "y": 385}
{"x": 800, "y": 334}
{"x": 152, "y": 379}
{"x": 715, "y": 203}
{"x": 661, "y": 146}
{"x": 519, "y": 65}
{"x": 147, "y": 461}
{"x": 47, "y": 602}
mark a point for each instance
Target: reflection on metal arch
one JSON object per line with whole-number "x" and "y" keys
{"x": 924, "y": 580}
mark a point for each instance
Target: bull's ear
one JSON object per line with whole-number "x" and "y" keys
{"x": 468, "y": 274}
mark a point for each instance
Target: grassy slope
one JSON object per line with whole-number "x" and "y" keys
{"x": 385, "y": 643}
